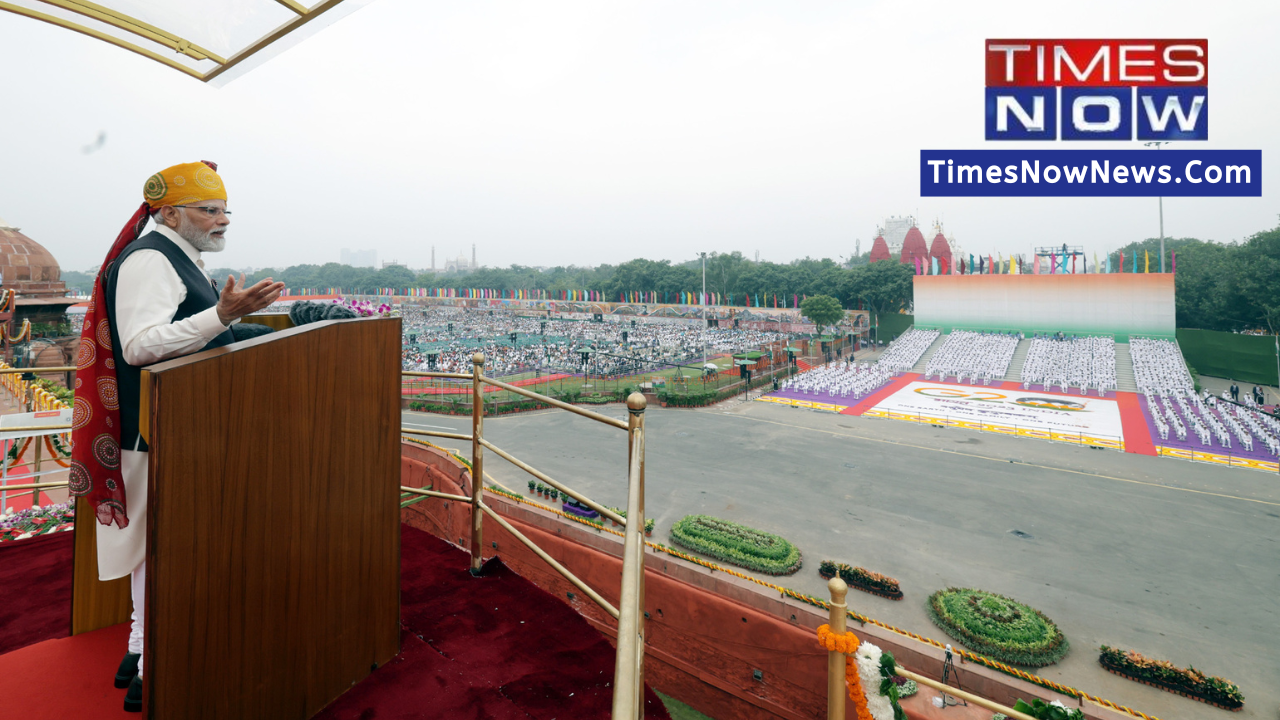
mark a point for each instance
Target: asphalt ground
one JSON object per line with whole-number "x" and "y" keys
{"x": 1178, "y": 560}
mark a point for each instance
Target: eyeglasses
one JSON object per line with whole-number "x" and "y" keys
{"x": 210, "y": 211}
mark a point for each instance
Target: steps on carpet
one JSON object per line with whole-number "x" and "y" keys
{"x": 1019, "y": 359}
{"x": 923, "y": 362}
{"x": 1124, "y": 369}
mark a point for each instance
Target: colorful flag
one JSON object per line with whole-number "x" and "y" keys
{"x": 1146, "y": 265}
{"x": 935, "y": 265}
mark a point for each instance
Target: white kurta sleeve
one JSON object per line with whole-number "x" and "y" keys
{"x": 148, "y": 292}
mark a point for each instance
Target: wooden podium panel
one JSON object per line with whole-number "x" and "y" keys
{"x": 273, "y": 554}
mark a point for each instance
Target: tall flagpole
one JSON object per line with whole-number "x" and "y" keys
{"x": 1157, "y": 144}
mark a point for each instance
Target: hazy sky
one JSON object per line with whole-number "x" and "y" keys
{"x": 584, "y": 133}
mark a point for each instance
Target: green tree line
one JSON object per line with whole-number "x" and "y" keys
{"x": 1219, "y": 286}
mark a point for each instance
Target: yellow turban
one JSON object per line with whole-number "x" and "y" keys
{"x": 183, "y": 185}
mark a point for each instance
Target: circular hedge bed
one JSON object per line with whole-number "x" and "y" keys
{"x": 999, "y": 627}
{"x": 736, "y": 544}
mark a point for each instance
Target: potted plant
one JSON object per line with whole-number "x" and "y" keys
{"x": 648, "y": 527}
{"x": 533, "y": 484}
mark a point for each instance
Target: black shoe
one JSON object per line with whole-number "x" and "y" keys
{"x": 133, "y": 698}
{"x": 128, "y": 668}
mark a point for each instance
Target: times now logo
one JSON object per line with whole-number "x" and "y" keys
{"x": 1097, "y": 89}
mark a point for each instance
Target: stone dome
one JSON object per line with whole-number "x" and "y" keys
{"x": 27, "y": 266}
{"x": 941, "y": 250}
{"x": 913, "y": 247}
{"x": 880, "y": 250}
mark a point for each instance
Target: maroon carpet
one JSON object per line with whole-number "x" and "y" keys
{"x": 491, "y": 647}
{"x": 36, "y": 576}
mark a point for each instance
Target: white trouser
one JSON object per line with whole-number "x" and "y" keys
{"x": 138, "y": 586}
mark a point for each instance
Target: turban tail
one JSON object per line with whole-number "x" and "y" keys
{"x": 95, "y": 416}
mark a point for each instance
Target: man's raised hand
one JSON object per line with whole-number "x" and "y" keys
{"x": 234, "y": 303}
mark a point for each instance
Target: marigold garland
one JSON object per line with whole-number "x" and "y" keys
{"x": 847, "y": 644}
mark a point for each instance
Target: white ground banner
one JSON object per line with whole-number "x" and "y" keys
{"x": 1049, "y": 416}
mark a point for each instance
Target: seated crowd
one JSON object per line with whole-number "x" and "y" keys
{"x": 1174, "y": 406}
{"x": 452, "y": 335}
{"x": 840, "y": 379}
{"x": 848, "y": 378}
{"x": 1067, "y": 362}
{"x": 904, "y": 352}
{"x": 974, "y": 356}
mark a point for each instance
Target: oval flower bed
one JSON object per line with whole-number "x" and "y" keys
{"x": 998, "y": 627}
{"x": 862, "y": 578}
{"x": 1188, "y": 682}
{"x": 736, "y": 544}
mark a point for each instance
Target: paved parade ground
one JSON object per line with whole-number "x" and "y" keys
{"x": 1175, "y": 559}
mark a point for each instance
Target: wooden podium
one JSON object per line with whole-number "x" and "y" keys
{"x": 273, "y": 537}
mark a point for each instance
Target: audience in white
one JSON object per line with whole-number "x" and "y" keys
{"x": 840, "y": 379}
{"x": 903, "y": 353}
{"x": 973, "y": 356}
{"x": 845, "y": 379}
{"x": 1074, "y": 362}
{"x": 1175, "y": 408}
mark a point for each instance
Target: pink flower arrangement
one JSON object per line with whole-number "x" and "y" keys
{"x": 364, "y": 308}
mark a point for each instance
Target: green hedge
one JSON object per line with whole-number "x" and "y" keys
{"x": 893, "y": 325}
{"x": 1247, "y": 358}
{"x": 737, "y": 544}
{"x": 711, "y": 397}
{"x": 998, "y": 627}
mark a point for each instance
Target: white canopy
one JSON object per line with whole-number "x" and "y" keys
{"x": 199, "y": 38}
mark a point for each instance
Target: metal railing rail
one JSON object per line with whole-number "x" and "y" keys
{"x": 555, "y": 484}
{"x": 629, "y": 664}
{"x": 435, "y": 494}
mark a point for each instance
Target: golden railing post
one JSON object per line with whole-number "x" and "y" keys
{"x": 628, "y": 675}
{"x": 35, "y": 497}
{"x": 835, "y": 660}
{"x": 477, "y": 461}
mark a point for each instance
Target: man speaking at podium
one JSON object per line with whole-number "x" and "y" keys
{"x": 152, "y": 301}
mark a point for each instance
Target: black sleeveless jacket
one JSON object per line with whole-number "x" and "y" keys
{"x": 200, "y": 296}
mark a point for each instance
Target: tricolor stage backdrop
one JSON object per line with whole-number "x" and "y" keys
{"x": 1119, "y": 304}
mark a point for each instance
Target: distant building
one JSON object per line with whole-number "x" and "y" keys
{"x": 895, "y": 232}
{"x": 460, "y": 263}
{"x": 913, "y": 247}
{"x": 40, "y": 295}
{"x": 900, "y": 238}
{"x": 394, "y": 263}
{"x": 360, "y": 258}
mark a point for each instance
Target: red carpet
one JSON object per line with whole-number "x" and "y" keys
{"x": 874, "y": 398}
{"x": 490, "y": 647}
{"x": 66, "y": 678}
{"x": 1137, "y": 437}
{"x": 36, "y": 576}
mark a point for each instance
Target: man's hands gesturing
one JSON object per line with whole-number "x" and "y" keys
{"x": 234, "y": 303}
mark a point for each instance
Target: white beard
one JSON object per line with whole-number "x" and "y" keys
{"x": 202, "y": 241}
